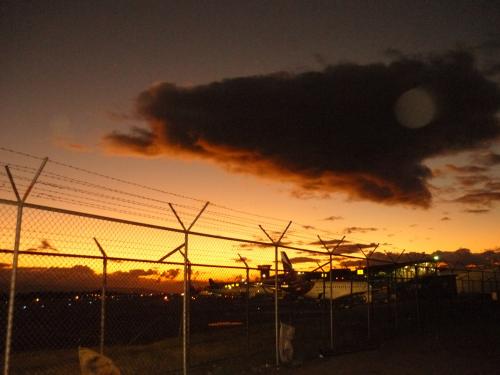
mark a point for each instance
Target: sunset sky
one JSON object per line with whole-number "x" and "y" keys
{"x": 290, "y": 109}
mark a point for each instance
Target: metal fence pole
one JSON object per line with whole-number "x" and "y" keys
{"x": 186, "y": 286}
{"x": 369, "y": 299}
{"x": 330, "y": 253}
{"x": 394, "y": 285}
{"x": 15, "y": 261}
{"x": 247, "y": 306}
{"x": 103, "y": 294}
{"x": 417, "y": 297}
{"x": 185, "y": 307}
{"x": 12, "y": 292}
{"x": 276, "y": 305}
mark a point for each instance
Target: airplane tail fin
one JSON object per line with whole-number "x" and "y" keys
{"x": 287, "y": 265}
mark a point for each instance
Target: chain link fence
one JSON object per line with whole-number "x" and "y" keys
{"x": 163, "y": 283}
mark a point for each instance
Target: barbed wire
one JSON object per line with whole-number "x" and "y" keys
{"x": 54, "y": 187}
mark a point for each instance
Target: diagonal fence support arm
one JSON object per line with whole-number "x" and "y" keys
{"x": 15, "y": 259}
{"x": 276, "y": 307}
{"x": 170, "y": 253}
{"x": 103, "y": 294}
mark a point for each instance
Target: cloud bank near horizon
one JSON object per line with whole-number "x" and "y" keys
{"x": 326, "y": 131}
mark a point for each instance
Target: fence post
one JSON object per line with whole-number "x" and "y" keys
{"x": 394, "y": 285}
{"x": 186, "y": 286}
{"x": 417, "y": 301}
{"x": 15, "y": 260}
{"x": 247, "y": 307}
{"x": 103, "y": 294}
{"x": 369, "y": 299}
{"x": 177, "y": 249}
{"x": 276, "y": 308}
{"x": 330, "y": 253}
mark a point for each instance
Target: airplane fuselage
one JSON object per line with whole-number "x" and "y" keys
{"x": 340, "y": 288}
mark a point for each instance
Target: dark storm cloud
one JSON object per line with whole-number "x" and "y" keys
{"x": 492, "y": 185}
{"x": 44, "y": 246}
{"x": 350, "y": 230}
{"x": 308, "y": 227}
{"x": 483, "y": 198}
{"x": 471, "y": 180}
{"x": 329, "y": 242}
{"x": 328, "y": 131}
{"x": 139, "y": 141}
{"x": 343, "y": 247}
{"x": 464, "y": 257}
{"x": 171, "y": 273}
{"x": 393, "y": 53}
{"x": 466, "y": 168}
{"x": 489, "y": 159}
{"x": 353, "y": 248}
{"x": 492, "y": 70}
{"x": 253, "y": 246}
{"x": 458, "y": 259}
{"x": 333, "y": 218}
{"x": 81, "y": 277}
{"x": 477, "y": 210}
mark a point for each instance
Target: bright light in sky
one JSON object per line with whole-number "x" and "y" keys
{"x": 415, "y": 108}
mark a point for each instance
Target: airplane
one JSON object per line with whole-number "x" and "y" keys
{"x": 315, "y": 285}
{"x": 342, "y": 286}
{"x": 290, "y": 282}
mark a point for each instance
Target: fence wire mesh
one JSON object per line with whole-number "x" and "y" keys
{"x": 163, "y": 283}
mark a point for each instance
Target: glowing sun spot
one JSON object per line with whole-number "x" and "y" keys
{"x": 415, "y": 108}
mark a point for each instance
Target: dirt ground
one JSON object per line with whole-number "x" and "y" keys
{"x": 463, "y": 346}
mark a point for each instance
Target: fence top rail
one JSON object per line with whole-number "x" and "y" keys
{"x": 118, "y": 259}
{"x": 171, "y": 229}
